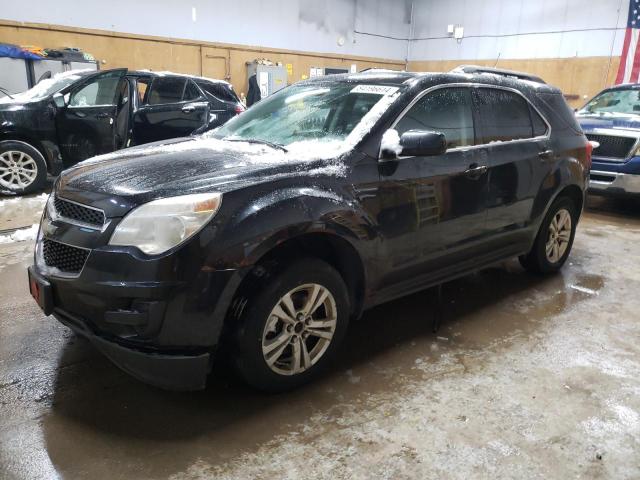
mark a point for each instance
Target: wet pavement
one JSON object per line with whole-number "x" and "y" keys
{"x": 528, "y": 377}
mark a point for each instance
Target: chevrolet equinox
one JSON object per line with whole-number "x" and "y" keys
{"x": 259, "y": 241}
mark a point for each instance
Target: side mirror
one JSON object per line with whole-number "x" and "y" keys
{"x": 422, "y": 143}
{"x": 59, "y": 100}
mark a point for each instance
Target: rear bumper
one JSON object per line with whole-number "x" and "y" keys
{"x": 613, "y": 183}
{"x": 173, "y": 371}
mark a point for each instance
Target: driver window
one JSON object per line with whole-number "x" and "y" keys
{"x": 97, "y": 93}
{"x": 446, "y": 110}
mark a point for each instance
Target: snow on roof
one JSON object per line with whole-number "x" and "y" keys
{"x": 163, "y": 73}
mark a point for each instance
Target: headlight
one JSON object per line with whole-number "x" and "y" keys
{"x": 157, "y": 226}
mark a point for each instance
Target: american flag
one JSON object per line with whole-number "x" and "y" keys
{"x": 629, "y": 70}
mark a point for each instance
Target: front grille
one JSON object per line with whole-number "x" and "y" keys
{"x": 612, "y": 146}
{"x": 65, "y": 258}
{"x": 601, "y": 178}
{"x": 79, "y": 213}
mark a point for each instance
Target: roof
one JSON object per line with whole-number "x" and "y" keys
{"x": 623, "y": 86}
{"x": 470, "y": 74}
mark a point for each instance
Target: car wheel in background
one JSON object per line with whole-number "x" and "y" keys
{"x": 290, "y": 329}
{"x": 22, "y": 167}
{"x": 555, "y": 238}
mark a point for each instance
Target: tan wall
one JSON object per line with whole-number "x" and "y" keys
{"x": 576, "y": 77}
{"x": 184, "y": 56}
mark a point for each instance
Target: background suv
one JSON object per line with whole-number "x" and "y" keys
{"x": 258, "y": 242}
{"x": 79, "y": 114}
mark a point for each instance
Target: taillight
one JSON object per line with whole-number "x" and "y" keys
{"x": 240, "y": 108}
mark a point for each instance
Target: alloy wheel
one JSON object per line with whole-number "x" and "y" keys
{"x": 299, "y": 329}
{"x": 559, "y": 236}
{"x": 17, "y": 169}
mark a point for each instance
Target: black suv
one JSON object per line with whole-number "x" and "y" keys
{"x": 258, "y": 242}
{"x": 78, "y": 114}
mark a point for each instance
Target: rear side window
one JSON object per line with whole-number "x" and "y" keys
{"x": 166, "y": 90}
{"x": 446, "y": 110}
{"x": 219, "y": 91}
{"x": 502, "y": 116}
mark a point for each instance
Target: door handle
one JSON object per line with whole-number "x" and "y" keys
{"x": 188, "y": 109}
{"x": 102, "y": 115}
{"x": 475, "y": 171}
{"x": 546, "y": 155}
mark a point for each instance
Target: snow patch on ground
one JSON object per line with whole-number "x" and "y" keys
{"x": 30, "y": 201}
{"x": 21, "y": 235}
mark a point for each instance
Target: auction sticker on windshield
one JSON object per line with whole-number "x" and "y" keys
{"x": 374, "y": 89}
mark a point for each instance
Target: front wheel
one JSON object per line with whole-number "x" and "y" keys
{"x": 291, "y": 328}
{"x": 555, "y": 238}
{"x": 22, "y": 167}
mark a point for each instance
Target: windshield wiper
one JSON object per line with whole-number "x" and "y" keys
{"x": 259, "y": 141}
{"x": 2, "y": 90}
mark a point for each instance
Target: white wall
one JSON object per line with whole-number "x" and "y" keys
{"x": 501, "y": 27}
{"x": 308, "y": 25}
{"x": 375, "y": 28}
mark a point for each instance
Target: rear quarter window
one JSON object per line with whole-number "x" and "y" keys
{"x": 219, "y": 91}
{"x": 559, "y": 112}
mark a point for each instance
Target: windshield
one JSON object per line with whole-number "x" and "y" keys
{"x": 329, "y": 112}
{"x": 614, "y": 101}
{"x": 46, "y": 87}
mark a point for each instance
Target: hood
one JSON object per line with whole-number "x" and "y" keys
{"x": 25, "y": 116}
{"x": 193, "y": 165}
{"x": 610, "y": 121}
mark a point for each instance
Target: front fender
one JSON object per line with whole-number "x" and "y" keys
{"x": 283, "y": 214}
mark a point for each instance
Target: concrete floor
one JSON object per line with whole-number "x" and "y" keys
{"x": 528, "y": 377}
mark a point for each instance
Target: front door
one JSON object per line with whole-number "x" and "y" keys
{"x": 174, "y": 108}
{"x": 517, "y": 145}
{"x": 86, "y": 124}
{"x": 433, "y": 209}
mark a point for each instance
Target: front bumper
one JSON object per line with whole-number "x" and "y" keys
{"x": 171, "y": 371}
{"x": 159, "y": 321}
{"x": 613, "y": 183}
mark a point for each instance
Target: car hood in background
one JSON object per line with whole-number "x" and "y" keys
{"x": 192, "y": 165}
{"x": 592, "y": 122}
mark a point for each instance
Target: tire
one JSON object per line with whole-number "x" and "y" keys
{"x": 258, "y": 330}
{"x": 538, "y": 260}
{"x": 22, "y": 168}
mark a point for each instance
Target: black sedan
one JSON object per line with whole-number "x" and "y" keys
{"x": 78, "y": 114}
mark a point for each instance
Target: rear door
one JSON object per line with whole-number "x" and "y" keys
{"x": 433, "y": 208}
{"x": 516, "y": 141}
{"x": 86, "y": 125}
{"x": 173, "y": 107}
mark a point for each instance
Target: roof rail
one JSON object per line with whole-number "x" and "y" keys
{"x": 497, "y": 71}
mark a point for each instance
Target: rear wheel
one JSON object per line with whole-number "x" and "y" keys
{"x": 554, "y": 240}
{"x": 22, "y": 167}
{"x": 291, "y": 328}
